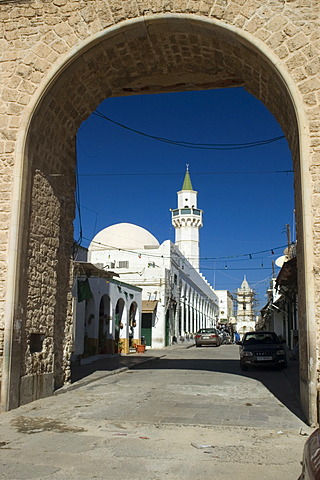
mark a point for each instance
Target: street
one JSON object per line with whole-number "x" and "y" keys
{"x": 191, "y": 414}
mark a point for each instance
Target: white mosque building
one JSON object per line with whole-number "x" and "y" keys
{"x": 176, "y": 298}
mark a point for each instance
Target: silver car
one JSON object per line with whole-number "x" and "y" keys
{"x": 207, "y": 336}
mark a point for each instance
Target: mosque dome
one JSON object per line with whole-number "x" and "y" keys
{"x": 123, "y": 235}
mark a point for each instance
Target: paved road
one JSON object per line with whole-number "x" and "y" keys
{"x": 190, "y": 414}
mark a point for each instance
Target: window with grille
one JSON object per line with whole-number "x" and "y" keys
{"x": 123, "y": 264}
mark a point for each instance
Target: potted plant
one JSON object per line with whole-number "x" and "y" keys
{"x": 140, "y": 348}
{"x": 120, "y": 346}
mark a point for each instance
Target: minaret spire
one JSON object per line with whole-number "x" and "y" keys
{"x": 187, "y": 220}
{"x": 187, "y": 185}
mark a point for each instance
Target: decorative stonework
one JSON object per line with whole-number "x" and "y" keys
{"x": 60, "y": 59}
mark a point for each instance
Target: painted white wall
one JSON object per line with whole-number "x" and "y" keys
{"x": 187, "y": 199}
{"x": 225, "y": 304}
{"x": 278, "y": 325}
{"x": 87, "y": 319}
{"x": 161, "y": 272}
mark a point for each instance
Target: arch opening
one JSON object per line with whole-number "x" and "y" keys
{"x": 104, "y": 323}
{"x": 147, "y": 56}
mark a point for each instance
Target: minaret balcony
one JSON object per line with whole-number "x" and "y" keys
{"x": 186, "y": 211}
{"x": 187, "y": 217}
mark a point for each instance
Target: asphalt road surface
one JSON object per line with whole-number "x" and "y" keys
{"x": 191, "y": 414}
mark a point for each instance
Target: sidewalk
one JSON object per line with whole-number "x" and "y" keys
{"x": 99, "y": 366}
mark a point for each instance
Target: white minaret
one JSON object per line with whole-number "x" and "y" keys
{"x": 187, "y": 220}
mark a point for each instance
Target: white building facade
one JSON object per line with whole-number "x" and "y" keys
{"x": 226, "y": 307}
{"x": 272, "y": 316}
{"x": 176, "y": 299}
{"x": 107, "y": 312}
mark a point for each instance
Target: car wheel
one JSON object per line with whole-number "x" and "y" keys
{"x": 243, "y": 367}
{"x": 197, "y": 345}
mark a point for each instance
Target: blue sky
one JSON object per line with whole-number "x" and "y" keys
{"x": 128, "y": 177}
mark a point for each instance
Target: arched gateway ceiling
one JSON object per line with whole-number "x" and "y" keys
{"x": 162, "y": 56}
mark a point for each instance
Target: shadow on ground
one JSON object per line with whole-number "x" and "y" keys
{"x": 283, "y": 384}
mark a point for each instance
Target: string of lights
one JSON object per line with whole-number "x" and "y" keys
{"x": 222, "y": 258}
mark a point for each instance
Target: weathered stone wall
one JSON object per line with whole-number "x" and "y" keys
{"x": 59, "y": 60}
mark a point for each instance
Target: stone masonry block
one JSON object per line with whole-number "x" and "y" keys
{"x": 297, "y": 42}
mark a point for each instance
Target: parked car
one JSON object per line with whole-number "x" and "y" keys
{"x": 311, "y": 457}
{"x": 258, "y": 349}
{"x": 207, "y": 336}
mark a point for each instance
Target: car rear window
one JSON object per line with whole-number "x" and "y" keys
{"x": 257, "y": 338}
{"x": 207, "y": 330}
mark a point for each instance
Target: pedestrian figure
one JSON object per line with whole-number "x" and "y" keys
{"x": 236, "y": 337}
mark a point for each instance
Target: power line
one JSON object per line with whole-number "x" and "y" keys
{"x": 242, "y": 269}
{"x": 175, "y": 173}
{"x": 194, "y": 145}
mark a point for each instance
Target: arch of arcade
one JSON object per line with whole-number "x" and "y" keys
{"x": 59, "y": 60}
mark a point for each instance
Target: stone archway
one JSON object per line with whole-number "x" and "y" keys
{"x": 149, "y": 54}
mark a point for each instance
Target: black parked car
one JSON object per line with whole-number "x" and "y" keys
{"x": 262, "y": 349}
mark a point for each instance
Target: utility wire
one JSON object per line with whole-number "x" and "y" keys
{"x": 199, "y": 146}
{"x": 174, "y": 173}
{"x": 242, "y": 269}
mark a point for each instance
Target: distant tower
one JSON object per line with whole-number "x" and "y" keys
{"x": 245, "y": 311}
{"x": 187, "y": 220}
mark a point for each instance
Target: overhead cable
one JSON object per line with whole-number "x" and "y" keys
{"x": 175, "y": 173}
{"x": 199, "y": 146}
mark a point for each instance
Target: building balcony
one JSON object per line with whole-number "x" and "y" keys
{"x": 186, "y": 211}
